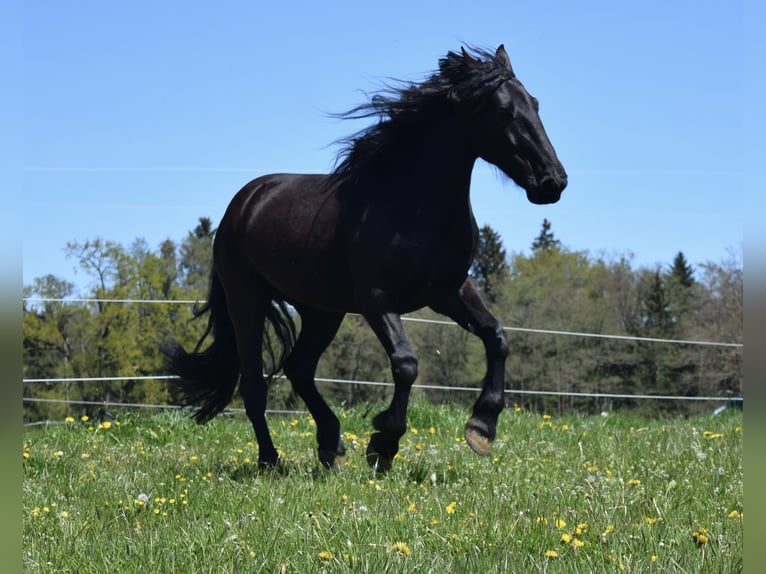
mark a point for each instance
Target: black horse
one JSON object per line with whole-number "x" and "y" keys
{"x": 389, "y": 231}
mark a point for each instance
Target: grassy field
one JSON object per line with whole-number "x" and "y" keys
{"x": 616, "y": 493}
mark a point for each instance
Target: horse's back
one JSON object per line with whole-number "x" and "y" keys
{"x": 287, "y": 229}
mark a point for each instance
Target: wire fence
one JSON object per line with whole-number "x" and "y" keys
{"x": 591, "y": 395}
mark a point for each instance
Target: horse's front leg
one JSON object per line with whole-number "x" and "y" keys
{"x": 391, "y": 423}
{"x": 468, "y": 310}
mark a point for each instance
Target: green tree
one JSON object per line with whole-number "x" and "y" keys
{"x": 719, "y": 317}
{"x": 354, "y": 355}
{"x": 52, "y": 344}
{"x": 560, "y": 290}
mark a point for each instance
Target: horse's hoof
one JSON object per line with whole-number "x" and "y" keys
{"x": 377, "y": 457}
{"x": 269, "y": 463}
{"x": 477, "y": 439}
{"x": 331, "y": 460}
{"x": 378, "y": 462}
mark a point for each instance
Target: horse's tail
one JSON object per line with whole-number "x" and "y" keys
{"x": 208, "y": 378}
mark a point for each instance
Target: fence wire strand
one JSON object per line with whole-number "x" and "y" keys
{"x": 597, "y": 395}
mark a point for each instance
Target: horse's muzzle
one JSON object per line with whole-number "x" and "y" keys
{"x": 548, "y": 190}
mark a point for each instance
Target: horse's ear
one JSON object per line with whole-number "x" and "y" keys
{"x": 467, "y": 58}
{"x": 501, "y": 57}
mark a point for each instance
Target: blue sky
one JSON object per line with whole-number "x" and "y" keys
{"x": 140, "y": 117}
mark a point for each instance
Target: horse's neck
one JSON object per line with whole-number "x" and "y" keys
{"x": 434, "y": 164}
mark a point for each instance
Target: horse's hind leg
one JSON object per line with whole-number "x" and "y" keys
{"x": 317, "y": 331}
{"x": 247, "y": 310}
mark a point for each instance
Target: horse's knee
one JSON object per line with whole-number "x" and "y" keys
{"x": 404, "y": 367}
{"x": 501, "y": 342}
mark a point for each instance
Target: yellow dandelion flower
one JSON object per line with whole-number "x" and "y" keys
{"x": 653, "y": 558}
{"x": 401, "y": 548}
{"x": 431, "y": 430}
{"x": 609, "y": 529}
{"x": 634, "y": 482}
{"x": 650, "y": 521}
{"x": 326, "y": 556}
{"x": 551, "y": 554}
{"x": 25, "y": 454}
{"x": 560, "y": 523}
{"x": 577, "y": 543}
{"x": 85, "y": 418}
{"x": 69, "y": 420}
{"x": 541, "y": 520}
{"x": 451, "y": 507}
{"x": 735, "y": 514}
{"x": 411, "y": 507}
{"x": 701, "y": 536}
{"x": 546, "y": 417}
{"x": 106, "y": 425}
{"x": 413, "y": 430}
{"x": 566, "y": 538}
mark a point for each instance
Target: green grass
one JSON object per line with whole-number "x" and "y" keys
{"x": 571, "y": 494}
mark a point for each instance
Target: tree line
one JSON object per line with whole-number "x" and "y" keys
{"x": 552, "y": 288}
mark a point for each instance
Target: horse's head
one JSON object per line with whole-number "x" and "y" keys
{"x": 508, "y": 133}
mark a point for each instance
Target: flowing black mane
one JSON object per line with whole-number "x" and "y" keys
{"x": 400, "y": 108}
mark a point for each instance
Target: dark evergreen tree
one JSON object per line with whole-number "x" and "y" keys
{"x": 545, "y": 242}
{"x": 680, "y": 287}
{"x": 489, "y": 265}
{"x": 681, "y": 272}
{"x": 197, "y": 257}
{"x": 657, "y": 318}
